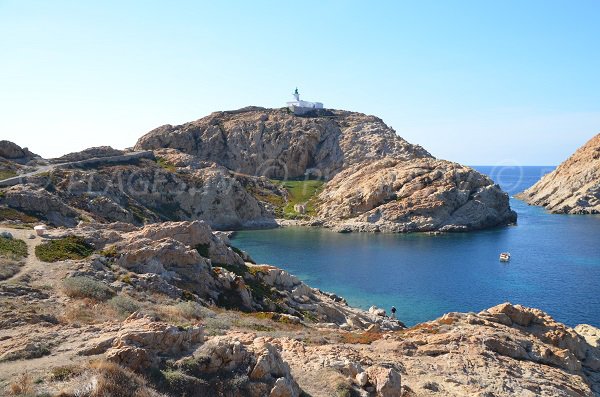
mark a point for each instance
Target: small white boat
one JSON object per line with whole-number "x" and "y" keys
{"x": 505, "y": 257}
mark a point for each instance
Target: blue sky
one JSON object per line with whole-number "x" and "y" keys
{"x": 477, "y": 82}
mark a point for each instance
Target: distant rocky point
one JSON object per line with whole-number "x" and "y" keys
{"x": 573, "y": 187}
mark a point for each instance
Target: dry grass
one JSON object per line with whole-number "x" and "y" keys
{"x": 88, "y": 311}
{"x": 112, "y": 380}
{"x": 182, "y": 312}
{"x": 64, "y": 372}
{"x": 86, "y": 287}
{"x": 22, "y": 386}
{"x": 9, "y": 267}
{"x": 426, "y": 327}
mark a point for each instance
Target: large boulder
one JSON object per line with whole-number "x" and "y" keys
{"x": 141, "y": 342}
{"x": 259, "y": 361}
{"x": 11, "y": 151}
{"x": 386, "y": 381}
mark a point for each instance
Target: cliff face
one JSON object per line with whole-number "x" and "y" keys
{"x": 572, "y": 188}
{"x": 277, "y": 144}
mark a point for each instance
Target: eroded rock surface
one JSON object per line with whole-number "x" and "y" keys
{"x": 277, "y": 144}
{"x": 421, "y": 195}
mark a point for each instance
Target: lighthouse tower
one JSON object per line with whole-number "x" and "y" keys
{"x": 301, "y": 107}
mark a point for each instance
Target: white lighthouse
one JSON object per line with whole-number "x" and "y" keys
{"x": 301, "y": 107}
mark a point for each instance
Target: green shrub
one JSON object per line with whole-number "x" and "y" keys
{"x": 64, "y": 372}
{"x": 11, "y": 214}
{"x": 193, "y": 310}
{"x": 5, "y": 174}
{"x": 124, "y": 305}
{"x": 12, "y": 247}
{"x": 86, "y": 287}
{"x": 203, "y": 250}
{"x": 165, "y": 164}
{"x": 110, "y": 252}
{"x": 71, "y": 247}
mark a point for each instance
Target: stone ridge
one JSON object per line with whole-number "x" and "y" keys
{"x": 573, "y": 187}
{"x": 278, "y": 144}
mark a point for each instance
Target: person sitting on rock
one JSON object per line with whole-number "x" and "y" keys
{"x": 393, "y": 313}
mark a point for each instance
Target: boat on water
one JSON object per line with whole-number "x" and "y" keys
{"x": 505, "y": 257}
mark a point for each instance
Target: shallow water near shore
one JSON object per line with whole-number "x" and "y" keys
{"x": 555, "y": 264}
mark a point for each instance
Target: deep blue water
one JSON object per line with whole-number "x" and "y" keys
{"x": 555, "y": 263}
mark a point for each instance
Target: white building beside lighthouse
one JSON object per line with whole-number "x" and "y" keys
{"x": 300, "y": 107}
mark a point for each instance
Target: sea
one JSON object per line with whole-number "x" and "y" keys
{"x": 554, "y": 266}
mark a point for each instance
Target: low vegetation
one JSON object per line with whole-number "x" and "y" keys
{"x": 5, "y": 174}
{"x": 12, "y": 248}
{"x": 22, "y": 385}
{"x": 203, "y": 250}
{"x": 71, "y": 247}
{"x": 11, "y": 214}
{"x": 64, "y": 372}
{"x": 113, "y": 380}
{"x": 301, "y": 192}
{"x": 8, "y": 268}
{"x": 124, "y": 305}
{"x": 165, "y": 164}
{"x": 86, "y": 287}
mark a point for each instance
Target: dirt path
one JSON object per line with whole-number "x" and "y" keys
{"x": 31, "y": 262}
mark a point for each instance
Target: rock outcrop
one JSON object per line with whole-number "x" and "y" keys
{"x": 90, "y": 153}
{"x": 421, "y": 195}
{"x": 144, "y": 193}
{"x": 507, "y": 350}
{"x": 573, "y": 187}
{"x": 141, "y": 342}
{"x": 276, "y": 144}
{"x": 186, "y": 259}
{"x": 13, "y": 152}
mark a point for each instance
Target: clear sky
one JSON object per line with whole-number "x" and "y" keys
{"x": 477, "y": 82}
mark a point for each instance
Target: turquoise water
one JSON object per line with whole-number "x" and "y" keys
{"x": 555, "y": 263}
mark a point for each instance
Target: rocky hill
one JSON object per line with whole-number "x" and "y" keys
{"x": 277, "y": 144}
{"x": 374, "y": 179}
{"x": 574, "y": 187}
{"x": 172, "y": 309}
{"x": 260, "y": 167}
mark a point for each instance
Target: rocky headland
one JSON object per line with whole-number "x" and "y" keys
{"x": 573, "y": 187}
{"x": 258, "y": 167}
